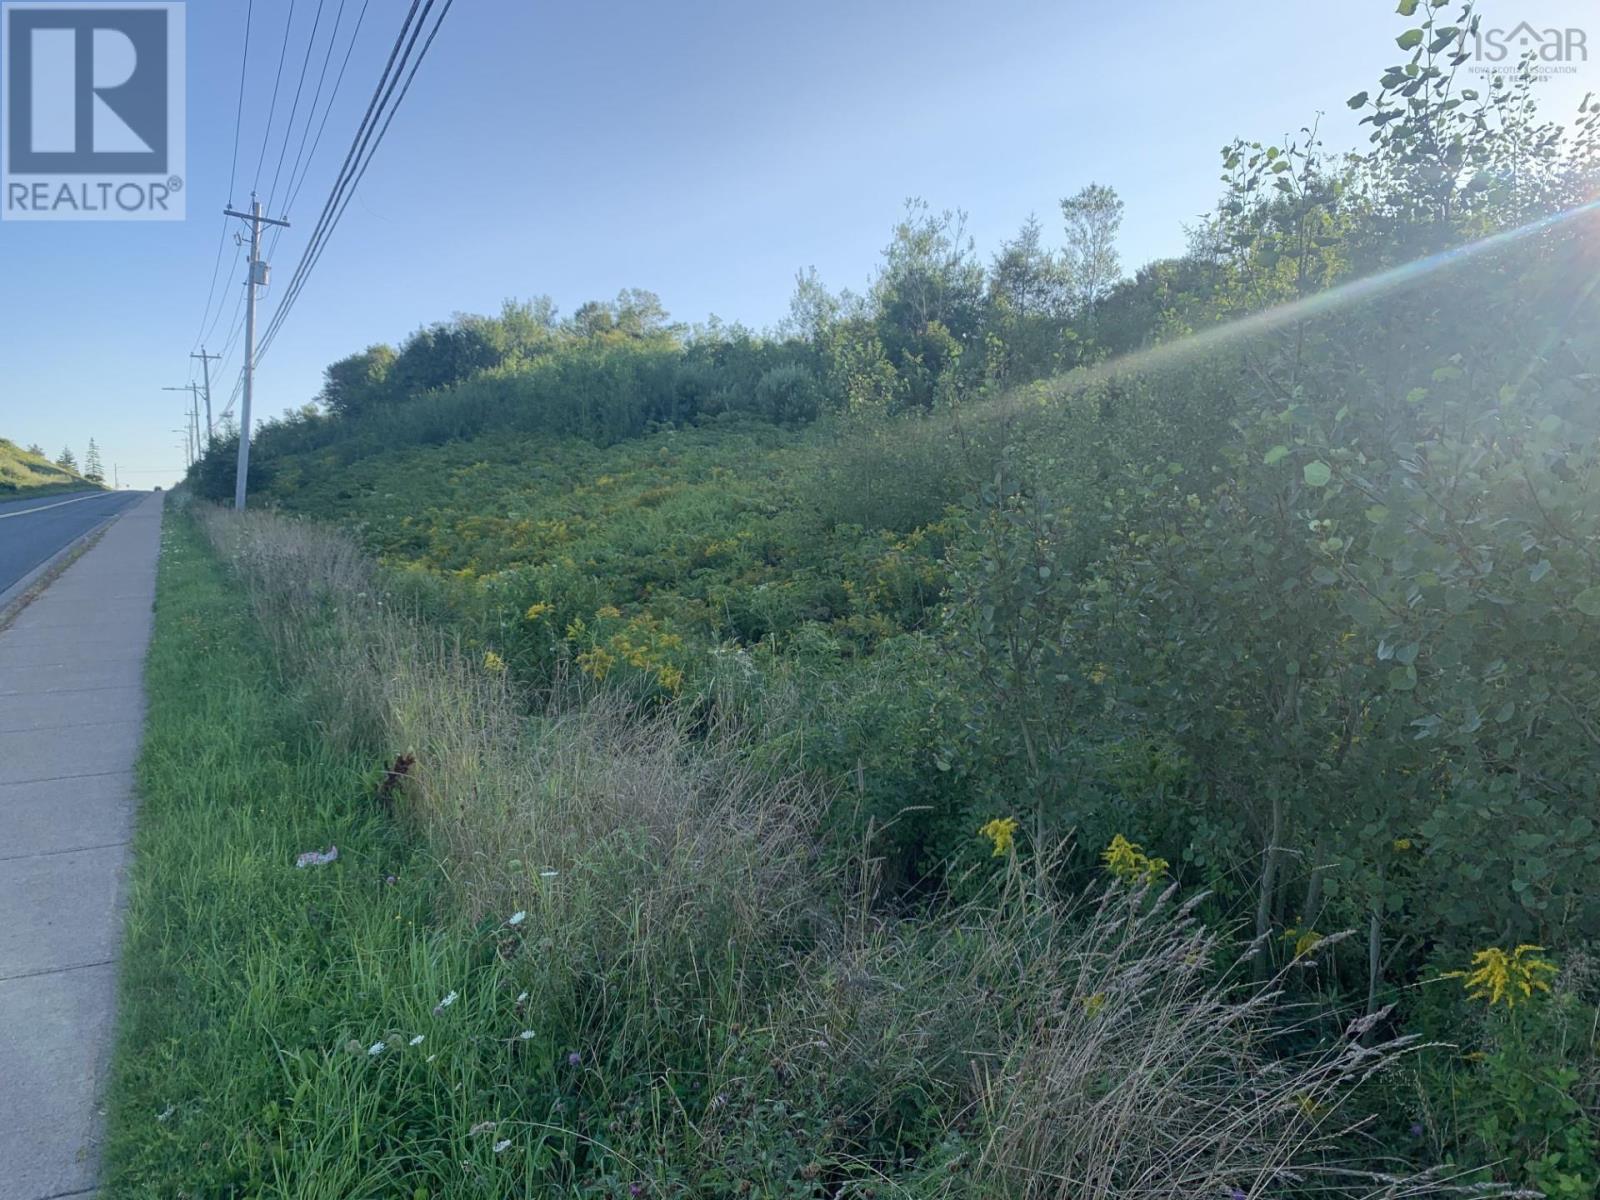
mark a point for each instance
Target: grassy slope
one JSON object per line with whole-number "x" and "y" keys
{"x": 728, "y": 532}
{"x": 24, "y": 474}
{"x": 252, "y": 991}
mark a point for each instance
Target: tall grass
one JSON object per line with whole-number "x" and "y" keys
{"x": 746, "y": 1016}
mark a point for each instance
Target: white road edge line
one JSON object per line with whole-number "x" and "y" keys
{"x": 58, "y": 504}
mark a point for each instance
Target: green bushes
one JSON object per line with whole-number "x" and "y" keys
{"x": 634, "y": 972}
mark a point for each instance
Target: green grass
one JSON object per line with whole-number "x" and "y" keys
{"x": 252, "y": 991}
{"x": 26, "y": 474}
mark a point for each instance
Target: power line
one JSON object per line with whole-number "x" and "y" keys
{"x": 272, "y": 107}
{"x": 294, "y": 109}
{"x": 238, "y": 113}
{"x": 222, "y": 236}
{"x": 297, "y": 177}
{"x": 369, "y": 135}
{"x": 344, "y": 189}
{"x": 294, "y": 184}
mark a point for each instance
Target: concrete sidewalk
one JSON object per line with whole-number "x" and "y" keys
{"x": 71, "y": 718}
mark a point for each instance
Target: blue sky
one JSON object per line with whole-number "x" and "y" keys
{"x": 706, "y": 150}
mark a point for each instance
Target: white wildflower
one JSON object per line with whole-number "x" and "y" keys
{"x": 501, "y": 1145}
{"x": 517, "y": 918}
{"x": 417, "y": 1041}
{"x": 376, "y": 1048}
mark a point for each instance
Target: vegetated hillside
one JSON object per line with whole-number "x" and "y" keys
{"x": 24, "y": 473}
{"x": 1306, "y": 613}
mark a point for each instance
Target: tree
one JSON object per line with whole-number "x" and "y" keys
{"x": 66, "y": 460}
{"x": 1024, "y": 330}
{"x": 1093, "y": 218}
{"x": 355, "y": 384}
{"x": 929, "y": 299}
{"x": 35, "y": 448}
{"x": 93, "y": 469}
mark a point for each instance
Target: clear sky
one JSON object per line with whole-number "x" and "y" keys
{"x": 704, "y": 149}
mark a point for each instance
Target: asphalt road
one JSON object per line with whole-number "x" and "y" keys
{"x": 33, "y": 530}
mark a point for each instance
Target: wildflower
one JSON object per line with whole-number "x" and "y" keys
{"x": 517, "y": 918}
{"x": 1416, "y": 1129}
{"x": 501, "y": 1145}
{"x": 1002, "y": 831}
{"x": 574, "y": 1059}
{"x": 444, "y": 1004}
{"x": 1305, "y": 940}
{"x": 1129, "y": 863}
{"x": 1502, "y": 977}
{"x": 607, "y": 610}
{"x": 1093, "y": 1004}
{"x": 1237, "y": 1194}
{"x": 417, "y": 1041}
{"x": 1401, "y": 845}
{"x": 494, "y": 663}
{"x": 535, "y": 611}
{"x": 375, "y": 1049}
{"x": 522, "y": 998}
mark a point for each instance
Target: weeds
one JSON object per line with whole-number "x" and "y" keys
{"x": 614, "y": 962}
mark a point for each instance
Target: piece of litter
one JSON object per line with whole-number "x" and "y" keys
{"x": 417, "y": 1041}
{"x": 526, "y": 1035}
{"x": 523, "y": 998}
{"x": 376, "y": 1048}
{"x": 501, "y": 1145}
{"x": 517, "y": 918}
{"x": 481, "y": 1127}
{"x": 548, "y": 874}
{"x": 317, "y": 858}
{"x": 162, "y": 1116}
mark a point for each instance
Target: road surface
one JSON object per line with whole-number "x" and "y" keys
{"x": 33, "y": 530}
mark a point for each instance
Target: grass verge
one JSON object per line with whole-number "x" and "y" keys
{"x": 254, "y": 994}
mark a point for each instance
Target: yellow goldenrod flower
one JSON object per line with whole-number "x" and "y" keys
{"x": 1402, "y": 844}
{"x": 1499, "y": 977}
{"x": 597, "y": 662}
{"x": 493, "y": 662}
{"x": 1002, "y": 831}
{"x": 1305, "y": 940}
{"x": 607, "y": 610}
{"x": 535, "y": 611}
{"x": 1093, "y": 1004}
{"x": 1129, "y": 863}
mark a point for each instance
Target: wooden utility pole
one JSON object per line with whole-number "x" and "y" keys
{"x": 205, "y": 366}
{"x": 255, "y": 277}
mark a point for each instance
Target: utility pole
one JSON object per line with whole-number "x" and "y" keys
{"x": 256, "y": 277}
{"x": 205, "y": 366}
{"x": 192, "y": 417}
